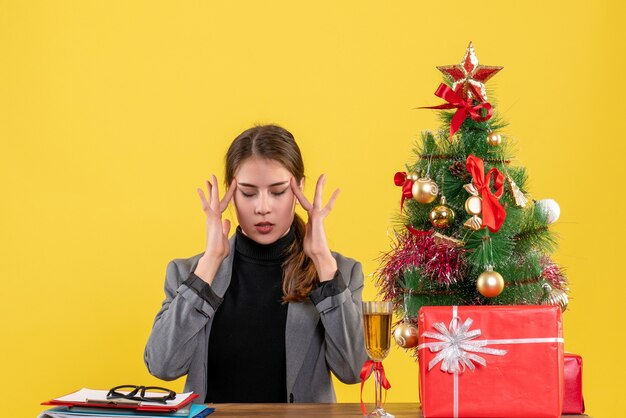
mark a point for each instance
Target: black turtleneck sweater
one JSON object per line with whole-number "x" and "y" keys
{"x": 246, "y": 360}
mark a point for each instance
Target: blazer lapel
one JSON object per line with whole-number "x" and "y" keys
{"x": 302, "y": 319}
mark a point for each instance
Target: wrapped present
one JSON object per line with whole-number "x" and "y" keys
{"x": 491, "y": 361}
{"x": 573, "y": 402}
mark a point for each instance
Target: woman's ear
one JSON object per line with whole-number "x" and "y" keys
{"x": 301, "y": 185}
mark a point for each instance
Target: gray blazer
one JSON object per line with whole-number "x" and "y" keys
{"x": 318, "y": 338}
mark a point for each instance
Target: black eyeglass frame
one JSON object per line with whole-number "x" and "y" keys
{"x": 138, "y": 393}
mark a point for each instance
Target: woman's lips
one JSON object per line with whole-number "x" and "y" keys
{"x": 264, "y": 227}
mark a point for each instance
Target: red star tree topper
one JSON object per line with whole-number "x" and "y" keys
{"x": 469, "y": 77}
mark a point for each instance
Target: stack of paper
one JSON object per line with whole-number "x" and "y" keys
{"x": 94, "y": 403}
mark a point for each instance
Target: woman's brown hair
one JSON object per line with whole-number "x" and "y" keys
{"x": 276, "y": 143}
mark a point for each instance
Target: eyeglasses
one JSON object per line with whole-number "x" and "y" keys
{"x": 141, "y": 393}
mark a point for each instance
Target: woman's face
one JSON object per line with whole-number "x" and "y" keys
{"x": 264, "y": 201}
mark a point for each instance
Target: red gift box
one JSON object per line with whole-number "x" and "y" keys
{"x": 573, "y": 402}
{"x": 491, "y": 361}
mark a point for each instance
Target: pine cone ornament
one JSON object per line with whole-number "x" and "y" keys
{"x": 459, "y": 170}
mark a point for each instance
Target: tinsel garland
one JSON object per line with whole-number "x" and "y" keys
{"x": 414, "y": 249}
{"x": 553, "y": 274}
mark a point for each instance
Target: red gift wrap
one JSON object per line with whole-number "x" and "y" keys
{"x": 573, "y": 402}
{"x": 491, "y": 361}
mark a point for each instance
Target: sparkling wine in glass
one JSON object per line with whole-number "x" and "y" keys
{"x": 377, "y": 330}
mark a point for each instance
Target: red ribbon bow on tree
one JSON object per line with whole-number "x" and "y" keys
{"x": 464, "y": 108}
{"x": 401, "y": 179}
{"x": 493, "y": 213}
{"x": 417, "y": 232}
{"x": 379, "y": 373}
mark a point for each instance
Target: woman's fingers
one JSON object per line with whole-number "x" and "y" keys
{"x": 205, "y": 204}
{"x": 226, "y": 227}
{"x": 209, "y": 196}
{"x": 215, "y": 193}
{"x": 331, "y": 202}
{"x": 228, "y": 196}
{"x": 299, "y": 195}
{"x": 211, "y": 200}
{"x": 317, "y": 200}
{"x": 319, "y": 188}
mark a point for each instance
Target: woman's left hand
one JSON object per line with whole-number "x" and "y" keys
{"x": 315, "y": 244}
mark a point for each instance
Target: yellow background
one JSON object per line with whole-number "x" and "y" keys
{"x": 113, "y": 112}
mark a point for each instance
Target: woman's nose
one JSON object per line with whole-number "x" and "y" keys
{"x": 262, "y": 205}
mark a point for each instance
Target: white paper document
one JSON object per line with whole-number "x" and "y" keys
{"x": 92, "y": 394}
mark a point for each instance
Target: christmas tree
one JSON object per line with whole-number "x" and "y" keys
{"x": 468, "y": 232}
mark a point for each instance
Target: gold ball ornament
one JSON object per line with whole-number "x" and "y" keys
{"x": 474, "y": 205}
{"x": 494, "y": 139}
{"x": 425, "y": 190}
{"x": 441, "y": 216}
{"x": 413, "y": 176}
{"x": 554, "y": 297}
{"x": 559, "y": 298}
{"x": 405, "y": 335}
{"x": 490, "y": 283}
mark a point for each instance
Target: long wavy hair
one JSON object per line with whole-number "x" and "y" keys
{"x": 276, "y": 143}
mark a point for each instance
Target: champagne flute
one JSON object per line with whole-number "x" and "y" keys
{"x": 377, "y": 330}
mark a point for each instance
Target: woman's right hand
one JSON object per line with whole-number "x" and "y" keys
{"x": 217, "y": 246}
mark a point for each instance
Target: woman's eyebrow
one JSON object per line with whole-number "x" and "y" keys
{"x": 256, "y": 187}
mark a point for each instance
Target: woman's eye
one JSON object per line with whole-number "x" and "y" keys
{"x": 247, "y": 194}
{"x": 279, "y": 193}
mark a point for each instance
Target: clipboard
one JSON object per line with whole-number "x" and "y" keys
{"x": 191, "y": 411}
{"x": 92, "y": 398}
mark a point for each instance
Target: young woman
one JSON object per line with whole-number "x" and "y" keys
{"x": 266, "y": 315}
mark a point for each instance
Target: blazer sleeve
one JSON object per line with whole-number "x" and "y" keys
{"x": 343, "y": 326}
{"x": 179, "y": 323}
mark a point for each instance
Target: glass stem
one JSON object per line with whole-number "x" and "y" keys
{"x": 378, "y": 389}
